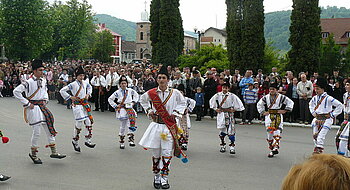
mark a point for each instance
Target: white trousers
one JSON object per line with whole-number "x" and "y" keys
{"x": 36, "y": 134}
{"x": 319, "y": 141}
{"x": 343, "y": 148}
{"x": 124, "y": 126}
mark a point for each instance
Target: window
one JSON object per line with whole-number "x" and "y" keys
{"x": 325, "y": 34}
{"x": 141, "y": 53}
{"x": 141, "y": 35}
{"x": 347, "y": 34}
{"x": 214, "y": 40}
{"x": 219, "y": 40}
{"x": 141, "y": 26}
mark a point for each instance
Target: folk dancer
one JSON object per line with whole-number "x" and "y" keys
{"x": 321, "y": 107}
{"x": 343, "y": 134}
{"x": 126, "y": 99}
{"x": 35, "y": 111}
{"x": 81, "y": 91}
{"x": 162, "y": 104}
{"x": 4, "y": 140}
{"x": 225, "y": 104}
{"x": 184, "y": 122}
{"x": 272, "y": 106}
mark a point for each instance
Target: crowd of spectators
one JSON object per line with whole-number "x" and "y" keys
{"x": 250, "y": 86}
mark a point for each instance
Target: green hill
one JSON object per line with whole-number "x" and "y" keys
{"x": 277, "y": 24}
{"x": 125, "y": 28}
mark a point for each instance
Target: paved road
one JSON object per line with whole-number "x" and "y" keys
{"x": 107, "y": 167}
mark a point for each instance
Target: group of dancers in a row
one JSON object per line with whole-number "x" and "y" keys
{"x": 168, "y": 133}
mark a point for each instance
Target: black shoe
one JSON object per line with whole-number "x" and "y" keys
{"x": 165, "y": 186}
{"x": 270, "y": 155}
{"x": 275, "y": 151}
{"x": 96, "y": 110}
{"x": 156, "y": 185}
{"x": 90, "y": 145}
{"x": 36, "y": 160}
{"x": 102, "y": 110}
{"x": 4, "y": 177}
{"x": 132, "y": 144}
{"x": 58, "y": 156}
{"x": 76, "y": 147}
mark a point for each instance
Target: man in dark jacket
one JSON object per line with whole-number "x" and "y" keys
{"x": 209, "y": 90}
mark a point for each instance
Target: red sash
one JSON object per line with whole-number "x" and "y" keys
{"x": 168, "y": 120}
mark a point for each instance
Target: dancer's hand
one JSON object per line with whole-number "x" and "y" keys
{"x": 266, "y": 113}
{"x": 31, "y": 106}
{"x": 218, "y": 110}
{"x": 281, "y": 111}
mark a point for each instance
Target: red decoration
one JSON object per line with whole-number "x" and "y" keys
{"x": 5, "y": 139}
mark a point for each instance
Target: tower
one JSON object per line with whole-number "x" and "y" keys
{"x": 143, "y": 42}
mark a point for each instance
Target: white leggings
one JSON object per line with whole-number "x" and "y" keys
{"x": 79, "y": 125}
{"x": 36, "y": 134}
{"x": 124, "y": 124}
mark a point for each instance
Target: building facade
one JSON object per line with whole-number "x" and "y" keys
{"x": 117, "y": 42}
{"x": 214, "y": 36}
{"x": 339, "y": 27}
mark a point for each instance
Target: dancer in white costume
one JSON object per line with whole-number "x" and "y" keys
{"x": 342, "y": 137}
{"x": 161, "y": 135}
{"x": 225, "y": 104}
{"x": 321, "y": 107}
{"x": 273, "y": 106}
{"x": 126, "y": 99}
{"x": 35, "y": 111}
{"x": 185, "y": 122}
{"x": 81, "y": 91}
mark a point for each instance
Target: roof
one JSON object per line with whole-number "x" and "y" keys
{"x": 338, "y": 27}
{"x": 222, "y": 32}
{"x": 102, "y": 27}
{"x": 128, "y": 46}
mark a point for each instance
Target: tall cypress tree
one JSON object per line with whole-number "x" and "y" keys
{"x": 154, "y": 18}
{"x": 245, "y": 33}
{"x": 305, "y": 36}
{"x": 170, "y": 38}
{"x": 234, "y": 33}
{"x": 253, "y": 40}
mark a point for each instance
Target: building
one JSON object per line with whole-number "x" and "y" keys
{"x": 339, "y": 27}
{"x": 143, "y": 37}
{"x": 214, "y": 36}
{"x": 117, "y": 42}
{"x": 189, "y": 43}
{"x": 128, "y": 51}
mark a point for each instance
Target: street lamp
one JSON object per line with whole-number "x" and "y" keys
{"x": 200, "y": 33}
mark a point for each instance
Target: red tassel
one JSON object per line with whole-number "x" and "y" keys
{"x": 5, "y": 139}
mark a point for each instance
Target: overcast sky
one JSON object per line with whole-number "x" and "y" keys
{"x": 195, "y": 13}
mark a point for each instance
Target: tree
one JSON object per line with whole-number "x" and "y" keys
{"x": 253, "y": 40}
{"x": 234, "y": 32}
{"x": 25, "y": 29}
{"x": 154, "y": 19}
{"x": 245, "y": 33}
{"x": 206, "y": 57}
{"x": 73, "y": 29}
{"x": 170, "y": 37}
{"x": 305, "y": 36}
{"x": 103, "y": 47}
{"x": 330, "y": 56}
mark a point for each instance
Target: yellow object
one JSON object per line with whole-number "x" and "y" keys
{"x": 180, "y": 131}
{"x": 164, "y": 136}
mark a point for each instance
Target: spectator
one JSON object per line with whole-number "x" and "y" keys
{"x": 199, "y": 98}
{"x": 244, "y": 83}
{"x": 304, "y": 89}
{"x": 319, "y": 172}
{"x": 210, "y": 90}
{"x": 293, "y": 95}
{"x": 250, "y": 97}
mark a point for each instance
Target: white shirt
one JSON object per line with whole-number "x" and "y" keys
{"x": 176, "y": 103}
{"x": 74, "y": 88}
{"x": 280, "y": 101}
{"x": 326, "y": 106}
{"x": 29, "y": 87}
{"x": 98, "y": 81}
{"x": 232, "y": 101}
{"x": 112, "y": 79}
{"x": 346, "y": 98}
{"x": 131, "y": 97}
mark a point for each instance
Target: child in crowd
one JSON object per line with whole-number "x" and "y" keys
{"x": 199, "y": 98}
